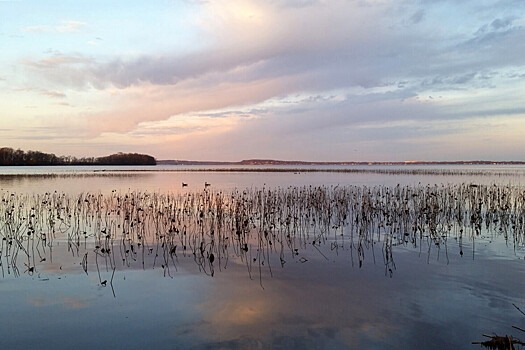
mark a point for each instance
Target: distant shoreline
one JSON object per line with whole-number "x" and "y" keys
{"x": 294, "y": 162}
{"x": 11, "y": 157}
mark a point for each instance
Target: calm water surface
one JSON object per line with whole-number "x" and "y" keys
{"x": 340, "y": 293}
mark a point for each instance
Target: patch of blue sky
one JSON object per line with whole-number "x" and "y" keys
{"x": 114, "y": 28}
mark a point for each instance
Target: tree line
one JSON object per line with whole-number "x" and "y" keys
{"x": 11, "y": 157}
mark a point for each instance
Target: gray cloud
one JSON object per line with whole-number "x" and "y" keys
{"x": 332, "y": 60}
{"x": 417, "y": 16}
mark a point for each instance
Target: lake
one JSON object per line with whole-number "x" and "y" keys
{"x": 347, "y": 257}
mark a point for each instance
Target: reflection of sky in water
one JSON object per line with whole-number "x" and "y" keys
{"x": 170, "y": 178}
{"x": 71, "y": 311}
{"x": 436, "y": 299}
{"x": 428, "y": 303}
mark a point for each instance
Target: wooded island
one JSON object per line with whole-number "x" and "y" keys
{"x": 11, "y": 157}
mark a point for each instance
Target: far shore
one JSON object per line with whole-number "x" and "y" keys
{"x": 298, "y": 162}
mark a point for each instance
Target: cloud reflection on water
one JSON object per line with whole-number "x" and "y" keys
{"x": 65, "y": 301}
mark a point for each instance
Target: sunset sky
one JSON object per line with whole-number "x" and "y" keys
{"x": 326, "y": 80}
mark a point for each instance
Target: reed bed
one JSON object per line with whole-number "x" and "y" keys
{"x": 261, "y": 228}
{"x": 371, "y": 170}
{"x": 387, "y": 170}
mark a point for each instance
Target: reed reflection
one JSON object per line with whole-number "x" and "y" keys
{"x": 72, "y": 182}
{"x": 262, "y": 229}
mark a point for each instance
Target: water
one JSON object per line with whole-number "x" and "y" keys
{"x": 331, "y": 295}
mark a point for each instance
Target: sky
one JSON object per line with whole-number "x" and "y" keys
{"x": 313, "y": 80}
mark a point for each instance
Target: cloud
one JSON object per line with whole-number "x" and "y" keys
{"x": 322, "y": 45}
{"x": 57, "y": 132}
{"x": 58, "y": 61}
{"x": 58, "y": 70}
{"x": 497, "y": 25}
{"x": 46, "y": 93}
{"x": 492, "y": 35}
{"x": 54, "y": 94}
{"x": 248, "y": 37}
{"x": 417, "y": 16}
{"x": 70, "y": 26}
{"x": 67, "y": 26}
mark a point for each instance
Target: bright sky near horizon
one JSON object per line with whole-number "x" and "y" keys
{"x": 326, "y": 80}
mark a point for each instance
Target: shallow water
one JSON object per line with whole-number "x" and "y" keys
{"x": 324, "y": 296}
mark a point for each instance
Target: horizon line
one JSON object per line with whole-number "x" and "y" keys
{"x": 279, "y": 161}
